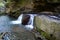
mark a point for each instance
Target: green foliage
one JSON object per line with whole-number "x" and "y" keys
{"x": 18, "y": 2}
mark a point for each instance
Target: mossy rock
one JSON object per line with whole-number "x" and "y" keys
{"x": 49, "y": 28}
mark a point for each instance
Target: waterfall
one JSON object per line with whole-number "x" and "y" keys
{"x": 30, "y": 23}
{"x": 29, "y": 26}
{"x": 18, "y": 21}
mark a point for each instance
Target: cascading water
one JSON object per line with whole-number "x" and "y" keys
{"x": 6, "y": 21}
{"x": 15, "y": 30}
{"x": 29, "y": 25}
{"x": 7, "y": 24}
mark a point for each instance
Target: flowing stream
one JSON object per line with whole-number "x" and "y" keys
{"x": 6, "y": 23}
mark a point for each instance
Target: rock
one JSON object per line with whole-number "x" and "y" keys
{"x": 21, "y": 35}
{"x": 48, "y": 26}
{"x": 25, "y": 19}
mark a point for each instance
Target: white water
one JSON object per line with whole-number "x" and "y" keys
{"x": 30, "y": 23}
{"x": 6, "y": 24}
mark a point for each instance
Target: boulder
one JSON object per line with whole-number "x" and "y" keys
{"x": 48, "y": 27}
